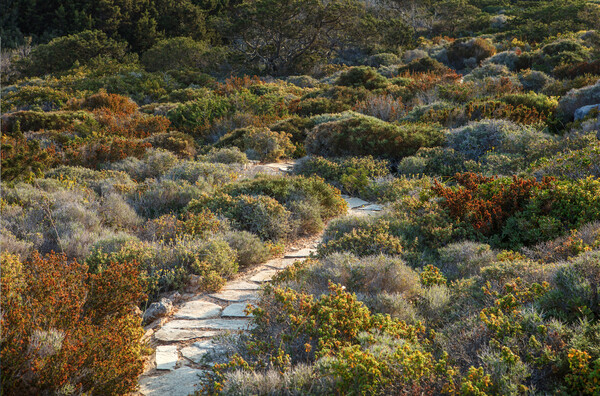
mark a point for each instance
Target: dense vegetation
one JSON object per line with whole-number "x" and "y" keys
{"x": 130, "y": 131}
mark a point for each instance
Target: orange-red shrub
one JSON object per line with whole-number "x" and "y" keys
{"x": 486, "y": 202}
{"x": 65, "y": 331}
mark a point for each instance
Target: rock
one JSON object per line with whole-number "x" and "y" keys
{"x": 175, "y": 335}
{"x": 178, "y": 382}
{"x": 241, "y": 285}
{"x": 213, "y": 324}
{"x": 355, "y": 202}
{"x": 583, "y": 112}
{"x": 175, "y": 297}
{"x": 236, "y": 295}
{"x": 263, "y": 276}
{"x": 166, "y": 357}
{"x": 280, "y": 263}
{"x": 197, "y": 310}
{"x": 236, "y": 311}
{"x": 158, "y": 310}
{"x": 198, "y": 350}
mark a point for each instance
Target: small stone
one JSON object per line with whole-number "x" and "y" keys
{"x": 236, "y": 311}
{"x": 167, "y": 334}
{"x": 166, "y": 357}
{"x": 158, "y": 310}
{"x": 178, "y": 382}
{"x": 236, "y": 295}
{"x": 197, "y": 310}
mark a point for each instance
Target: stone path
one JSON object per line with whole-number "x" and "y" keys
{"x": 183, "y": 342}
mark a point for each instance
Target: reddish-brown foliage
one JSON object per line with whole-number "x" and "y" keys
{"x": 65, "y": 329}
{"x": 486, "y": 202}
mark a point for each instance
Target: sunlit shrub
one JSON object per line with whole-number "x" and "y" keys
{"x": 370, "y": 136}
{"x": 225, "y": 156}
{"x": 178, "y": 143}
{"x": 63, "y": 329}
{"x": 261, "y": 215}
{"x": 250, "y": 250}
{"x": 258, "y": 143}
{"x": 155, "y": 198}
{"x": 362, "y": 76}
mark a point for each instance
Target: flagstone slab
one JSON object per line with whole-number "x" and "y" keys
{"x": 170, "y": 334}
{"x": 241, "y": 285}
{"x": 263, "y": 276}
{"x": 166, "y": 357}
{"x": 236, "y": 295}
{"x": 281, "y": 263}
{"x": 178, "y": 382}
{"x": 198, "y": 309}
{"x": 355, "y": 202}
{"x": 198, "y": 350}
{"x": 213, "y": 324}
{"x": 236, "y": 311}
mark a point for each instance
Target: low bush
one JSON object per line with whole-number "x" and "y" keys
{"x": 225, "y": 156}
{"x": 259, "y": 143}
{"x": 351, "y": 174}
{"x": 362, "y": 76}
{"x": 80, "y": 47}
{"x": 178, "y": 143}
{"x": 365, "y": 240}
{"x": 155, "y": 198}
{"x": 250, "y": 250}
{"x": 261, "y": 215}
{"x": 577, "y": 98}
{"x": 364, "y": 135}
{"x": 65, "y": 331}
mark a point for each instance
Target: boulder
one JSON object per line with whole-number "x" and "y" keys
{"x": 158, "y": 310}
{"x": 583, "y": 112}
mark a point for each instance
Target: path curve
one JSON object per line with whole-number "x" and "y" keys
{"x": 184, "y": 341}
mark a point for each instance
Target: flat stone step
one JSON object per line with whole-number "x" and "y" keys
{"x": 263, "y": 276}
{"x": 166, "y": 357}
{"x": 236, "y": 311}
{"x": 178, "y": 382}
{"x": 281, "y": 263}
{"x": 213, "y": 324}
{"x": 303, "y": 253}
{"x": 354, "y": 202}
{"x": 176, "y": 335}
{"x": 198, "y": 309}
{"x": 236, "y": 295}
{"x": 198, "y": 350}
{"x": 241, "y": 285}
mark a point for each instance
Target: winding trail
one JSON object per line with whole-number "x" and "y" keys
{"x": 183, "y": 342}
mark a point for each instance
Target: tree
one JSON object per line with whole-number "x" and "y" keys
{"x": 287, "y": 35}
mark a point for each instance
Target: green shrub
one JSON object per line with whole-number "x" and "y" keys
{"x": 351, "y": 174}
{"x": 362, "y": 76}
{"x": 477, "y": 49}
{"x": 195, "y": 117}
{"x": 423, "y": 65}
{"x": 179, "y": 143}
{"x": 464, "y": 259}
{"x": 250, "y": 250}
{"x": 259, "y": 143}
{"x": 176, "y": 53}
{"x": 225, "y": 156}
{"x": 361, "y": 241}
{"x": 364, "y": 135}
{"x": 42, "y": 97}
{"x": 261, "y": 215}
{"x": 196, "y": 172}
{"x": 287, "y": 190}
{"x": 37, "y": 120}
{"x": 155, "y": 198}
{"x": 80, "y": 47}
